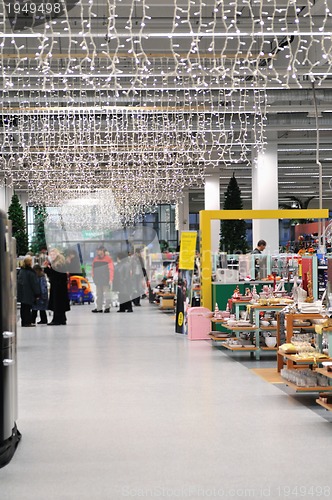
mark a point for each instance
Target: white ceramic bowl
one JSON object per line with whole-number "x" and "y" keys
{"x": 270, "y": 341}
{"x": 264, "y": 323}
{"x": 274, "y": 322}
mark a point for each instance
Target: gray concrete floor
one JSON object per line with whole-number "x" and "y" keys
{"x": 116, "y": 406}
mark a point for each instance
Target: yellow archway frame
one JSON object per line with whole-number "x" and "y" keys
{"x": 205, "y": 218}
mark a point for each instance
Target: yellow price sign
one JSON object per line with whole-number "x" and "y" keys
{"x": 187, "y": 250}
{"x": 180, "y": 318}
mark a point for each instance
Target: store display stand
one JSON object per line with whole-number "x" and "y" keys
{"x": 292, "y": 361}
{"x": 323, "y": 371}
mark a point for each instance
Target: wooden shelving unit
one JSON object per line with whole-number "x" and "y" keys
{"x": 316, "y": 388}
{"x": 255, "y": 329}
{"x": 167, "y": 301}
{"x": 289, "y": 359}
{"x": 293, "y": 362}
{"x": 240, "y": 347}
{"x": 323, "y": 371}
{"x": 308, "y": 361}
{"x": 327, "y": 406}
{"x": 220, "y": 339}
{"x": 255, "y": 311}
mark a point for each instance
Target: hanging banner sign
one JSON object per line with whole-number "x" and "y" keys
{"x": 187, "y": 250}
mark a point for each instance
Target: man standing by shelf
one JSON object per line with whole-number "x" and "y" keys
{"x": 102, "y": 274}
{"x": 261, "y": 245}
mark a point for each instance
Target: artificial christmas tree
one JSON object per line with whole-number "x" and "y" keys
{"x": 19, "y": 231}
{"x": 233, "y": 232}
{"x": 38, "y": 242}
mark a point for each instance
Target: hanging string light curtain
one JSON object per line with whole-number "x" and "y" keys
{"x": 140, "y": 98}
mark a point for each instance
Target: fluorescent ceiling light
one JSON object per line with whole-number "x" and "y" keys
{"x": 187, "y": 34}
{"x": 312, "y": 176}
{"x": 303, "y": 148}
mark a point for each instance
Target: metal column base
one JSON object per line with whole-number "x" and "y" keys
{"x": 8, "y": 447}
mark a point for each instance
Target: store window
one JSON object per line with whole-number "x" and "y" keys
{"x": 163, "y": 222}
{"x": 194, "y": 222}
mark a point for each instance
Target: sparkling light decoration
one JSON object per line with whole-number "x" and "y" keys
{"x": 137, "y": 99}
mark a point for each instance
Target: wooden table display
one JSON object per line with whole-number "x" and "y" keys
{"x": 237, "y": 304}
{"x": 292, "y": 361}
{"x": 328, "y": 331}
{"x": 323, "y": 371}
{"x": 255, "y": 328}
{"x": 255, "y": 309}
{"x": 289, "y": 359}
{"x": 166, "y": 300}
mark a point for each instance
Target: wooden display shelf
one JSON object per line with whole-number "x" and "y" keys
{"x": 218, "y": 320}
{"x": 241, "y": 328}
{"x": 268, "y": 307}
{"x": 316, "y": 388}
{"x": 327, "y": 406}
{"x": 265, "y": 348}
{"x": 268, "y": 328}
{"x": 323, "y": 371}
{"x": 239, "y": 348}
{"x": 306, "y": 327}
{"x": 238, "y": 301}
{"x": 295, "y": 359}
{"x": 220, "y": 339}
{"x": 290, "y": 359}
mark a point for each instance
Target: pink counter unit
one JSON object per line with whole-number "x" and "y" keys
{"x": 199, "y": 325}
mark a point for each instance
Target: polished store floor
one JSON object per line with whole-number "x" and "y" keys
{"x": 116, "y": 406}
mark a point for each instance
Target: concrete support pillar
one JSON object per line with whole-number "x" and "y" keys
{"x": 6, "y": 194}
{"x": 183, "y": 213}
{"x": 212, "y": 202}
{"x": 265, "y": 194}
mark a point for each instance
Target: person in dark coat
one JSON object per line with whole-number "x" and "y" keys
{"x": 28, "y": 290}
{"x": 56, "y": 271}
{"x": 73, "y": 263}
{"x": 41, "y": 303}
{"x": 139, "y": 276}
{"x": 123, "y": 282}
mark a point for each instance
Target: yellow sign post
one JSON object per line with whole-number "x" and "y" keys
{"x": 205, "y": 217}
{"x": 187, "y": 250}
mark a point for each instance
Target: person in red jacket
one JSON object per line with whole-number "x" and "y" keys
{"x": 102, "y": 274}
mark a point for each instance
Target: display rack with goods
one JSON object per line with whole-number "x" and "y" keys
{"x": 298, "y": 357}
{"x": 167, "y": 301}
{"x": 325, "y": 400}
{"x": 257, "y": 334}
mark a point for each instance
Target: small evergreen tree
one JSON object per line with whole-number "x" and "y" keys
{"x": 233, "y": 232}
{"x": 19, "y": 231}
{"x": 39, "y": 239}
